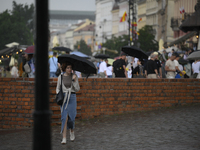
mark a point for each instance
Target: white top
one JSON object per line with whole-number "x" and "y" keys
{"x": 109, "y": 71}
{"x": 171, "y": 65}
{"x": 180, "y": 67}
{"x": 136, "y": 60}
{"x": 103, "y": 67}
{"x": 196, "y": 67}
{"x": 14, "y": 72}
{"x": 176, "y": 63}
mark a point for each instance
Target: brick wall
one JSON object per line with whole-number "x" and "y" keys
{"x": 97, "y": 97}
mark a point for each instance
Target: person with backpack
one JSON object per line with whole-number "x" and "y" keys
{"x": 53, "y": 65}
{"x": 119, "y": 67}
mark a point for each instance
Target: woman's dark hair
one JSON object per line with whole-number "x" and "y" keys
{"x": 30, "y": 56}
{"x": 65, "y": 64}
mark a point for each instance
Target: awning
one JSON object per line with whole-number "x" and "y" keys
{"x": 183, "y": 38}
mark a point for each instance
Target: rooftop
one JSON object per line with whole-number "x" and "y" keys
{"x": 71, "y": 15}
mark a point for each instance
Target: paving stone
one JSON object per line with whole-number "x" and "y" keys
{"x": 167, "y": 129}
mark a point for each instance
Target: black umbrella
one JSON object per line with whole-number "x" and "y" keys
{"x": 135, "y": 52}
{"x": 79, "y": 63}
{"x": 67, "y": 50}
{"x": 182, "y": 61}
{"x": 102, "y": 56}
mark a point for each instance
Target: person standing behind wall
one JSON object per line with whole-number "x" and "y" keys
{"x": 151, "y": 68}
{"x": 119, "y": 67}
{"x": 170, "y": 67}
{"x": 102, "y": 69}
{"x": 53, "y": 65}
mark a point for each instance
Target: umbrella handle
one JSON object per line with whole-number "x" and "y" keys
{"x": 87, "y": 76}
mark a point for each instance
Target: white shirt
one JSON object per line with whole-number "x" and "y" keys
{"x": 176, "y": 63}
{"x": 171, "y": 65}
{"x": 180, "y": 67}
{"x": 196, "y": 67}
{"x": 14, "y": 72}
{"x": 103, "y": 67}
{"x": 109, "y": 71}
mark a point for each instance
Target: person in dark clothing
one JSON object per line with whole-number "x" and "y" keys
{"x": 138, "y": 71}
{"x": 119, "y": 67}
{"x": 151, "y": 68}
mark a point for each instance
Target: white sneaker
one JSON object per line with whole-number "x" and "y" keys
{"x": 72, "y": 136}
{"x": 64, "y": 141}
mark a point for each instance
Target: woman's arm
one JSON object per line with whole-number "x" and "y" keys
{"x": 75, "y": 83}
{"x": 58, "y": 84}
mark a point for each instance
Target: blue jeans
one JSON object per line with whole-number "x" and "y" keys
{"x": 53, "y": 75}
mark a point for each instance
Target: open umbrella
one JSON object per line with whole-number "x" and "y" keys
{"x": 79, "y": 63}
{"x": 80, "y": 54}
{"x": 102, "y": 56}
{"x": 195, "y": 55}
{"x": 30, "y": 49}
{"x": 182, "y": 61}
{"x": 67, "y": 50}
{"x": 135, "y": 52}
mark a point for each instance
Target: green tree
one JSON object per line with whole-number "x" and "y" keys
{"x": 147, "y": 39}
{"x": 17, "y": 25}
{"x": 115, "y": 43}
{"x": 83, "y": 47}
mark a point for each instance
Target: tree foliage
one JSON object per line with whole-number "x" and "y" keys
{"x": 115, "y": 43}
{"x": 17, "y": 25}
{"x": 83, "y": 47}
{"x": 147, "y": 39}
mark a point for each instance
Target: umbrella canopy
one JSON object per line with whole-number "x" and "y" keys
{"x": 80, "y": 54}
{"x": 195, "y": 55}
{"x": 182, "y": 61}
{"x": 135, "y": 52}
{"x": 192, "y": 23}
{"x": 79, "y": 63}
{"x": 30, "y": 50}
{"x": 102, "y": 56}
{"x": 67, "y": 50}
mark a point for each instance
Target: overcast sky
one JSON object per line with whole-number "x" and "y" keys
{"x": 87, "y": 5}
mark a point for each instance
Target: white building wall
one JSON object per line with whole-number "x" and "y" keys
{"x": 103, "y": 20}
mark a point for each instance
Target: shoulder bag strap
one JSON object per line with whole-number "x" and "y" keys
{"x": 61, "y": 83}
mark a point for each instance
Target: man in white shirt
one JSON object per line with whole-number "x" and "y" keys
{"x": 170, "y": 67}
{"x": 177, "y": 64}
{"x": 102, "y": 69}
{"x": 195, "y": 68}
{"x": 108, "y": 69}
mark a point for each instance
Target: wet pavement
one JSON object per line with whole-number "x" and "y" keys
{"x": 167, "y": 129}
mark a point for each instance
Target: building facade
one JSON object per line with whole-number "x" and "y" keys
{"x": 180, "y": 37}
{"x": 103, "y": 28}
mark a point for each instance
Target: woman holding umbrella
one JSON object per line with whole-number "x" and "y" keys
{"x": 70, "y": 85}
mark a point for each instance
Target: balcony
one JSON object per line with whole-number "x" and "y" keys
{"x": 177, "y": 21}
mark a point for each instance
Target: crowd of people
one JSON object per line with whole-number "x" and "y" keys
{"x": 157, "y": 66}
{"x": 165, "y": 65}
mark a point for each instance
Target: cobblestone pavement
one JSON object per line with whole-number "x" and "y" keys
{"x": 167, "y": 129}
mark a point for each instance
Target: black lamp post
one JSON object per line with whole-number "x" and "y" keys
{"x": 42, "y": 129}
